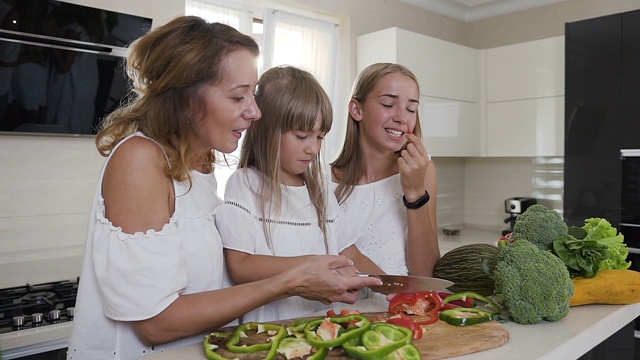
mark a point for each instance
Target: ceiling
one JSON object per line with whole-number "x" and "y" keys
{"x": 472, "y": 10}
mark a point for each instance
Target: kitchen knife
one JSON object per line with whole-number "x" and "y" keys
{"x": 395, "y": 284}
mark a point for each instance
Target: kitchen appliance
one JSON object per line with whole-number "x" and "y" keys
{"x": 65, "y": 69}
{"x": 396, "y": 284}
{"x": 629, "y": 225}
{"x": 515, "y": 206}
{"x": 36, "y": 320}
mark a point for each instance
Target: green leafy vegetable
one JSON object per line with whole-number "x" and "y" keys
{"x": 582, "y": 257}
{"x": 600, "y": 230}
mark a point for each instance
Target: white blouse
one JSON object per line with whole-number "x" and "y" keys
{"x": 377, "y": 211}
{"x": 129, "y": 277}
{"x": 294, "y": 232}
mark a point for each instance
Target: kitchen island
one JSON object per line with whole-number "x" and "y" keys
{"x": 584, "y": 328}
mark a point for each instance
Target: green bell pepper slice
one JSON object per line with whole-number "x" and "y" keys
{"x": 319, "y": 354}
{"x": 407, "y": 352}
{"x": 465, "y": 316}
{"x": 271, "y": 345}
{"x": 209, "y": 348}
{"x": 296, "y": 328}
{"x": 379, "y": 342}
{"x": 464, "y": 295}
{"x": 362, "y": 324}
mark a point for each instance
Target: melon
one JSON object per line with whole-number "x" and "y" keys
{"x": 469, "y": 267}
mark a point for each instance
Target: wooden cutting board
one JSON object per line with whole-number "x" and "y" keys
{"x": 439, "y": 341}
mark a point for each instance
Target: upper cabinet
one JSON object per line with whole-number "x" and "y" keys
{"x": 525, "y": 99}
{"x": 529, "y": 70}
{"x": 448, "y": 75}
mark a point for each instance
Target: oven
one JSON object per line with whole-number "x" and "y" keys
{"x": 630, "y": 209}
{"x": 36, "y": 320}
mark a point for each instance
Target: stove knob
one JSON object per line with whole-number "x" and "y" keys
{"x": 54, "y": 315}
{"x": 36, "y": 318}
{"x": 18, "y": 321}
{"x": 71, "y": 312}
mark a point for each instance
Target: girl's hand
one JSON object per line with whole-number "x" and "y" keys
{"x": 329, "y": 278}
{"x": 412, "y": 163}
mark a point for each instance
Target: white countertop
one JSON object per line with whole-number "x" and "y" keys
{"x": 583, "y": 329}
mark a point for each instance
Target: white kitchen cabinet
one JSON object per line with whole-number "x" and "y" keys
{"x": 450, "y": 127}
{"x": 530, "y": 127}
{"x": 448, "y": 75}
{"x": 533, "y": 69}
{"x": 525, "y": 99}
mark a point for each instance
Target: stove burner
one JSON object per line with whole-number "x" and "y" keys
{"x": 38, "y": 297}
{"x": 25, "y": 301}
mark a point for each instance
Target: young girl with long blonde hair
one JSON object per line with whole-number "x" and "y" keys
{"x": 277, "y": 208}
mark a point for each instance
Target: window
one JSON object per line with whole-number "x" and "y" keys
{"x": 303, "y": 42}
{"x": 239, "y": 19}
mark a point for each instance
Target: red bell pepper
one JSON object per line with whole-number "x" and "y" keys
{"x": 422, "y": 303}
{"x": 407, "y": 322}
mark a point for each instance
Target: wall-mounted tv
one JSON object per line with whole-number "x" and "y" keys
{"x": 61, "y": 65}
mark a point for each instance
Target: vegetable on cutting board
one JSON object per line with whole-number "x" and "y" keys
{"x": 607, "y": 287}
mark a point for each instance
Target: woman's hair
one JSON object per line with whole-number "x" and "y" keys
{"x": 289, "y": 99}
{"x": 351, "y": 160}
{"x": 170, "y": 68}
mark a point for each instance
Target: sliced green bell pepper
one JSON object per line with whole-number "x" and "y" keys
{"x": 271, "y": 345}
{"x": 296, "y": 328}
{"x": 464, "y": 295}
{"x": 293, "y": 342}
{"x": 465, "y": 316}
{"x": 362, "y": 324}
{"x": 407, "y": 352}
{"x": 209, "y": 348}
{"x": 379, "y": 342}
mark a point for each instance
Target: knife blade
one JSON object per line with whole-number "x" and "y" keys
{"x": 395, "y": 284}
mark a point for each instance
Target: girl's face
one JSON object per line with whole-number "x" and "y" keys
{"x": 297, "y": 150}
{"x": 388, "y": 112}
{"x": 229, "y": 105}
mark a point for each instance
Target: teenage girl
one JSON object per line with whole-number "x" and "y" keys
{"x": 384, "y": 178}
{"x": 277, "y": 210}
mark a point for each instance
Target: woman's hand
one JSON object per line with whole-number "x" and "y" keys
{"x": 413, "y": 163}
{"x": 329, "y": 278}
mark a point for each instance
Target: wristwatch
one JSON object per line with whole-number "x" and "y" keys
{"x": 418, "y": 203}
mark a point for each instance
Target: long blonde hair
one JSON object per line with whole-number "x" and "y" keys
{"x": 350, "y": 160}
{"x": 289, "y": 99}
{"x": 170, "y": 69}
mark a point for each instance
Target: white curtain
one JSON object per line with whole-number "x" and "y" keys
{"x": 300, "y": 41}
{"x": 240, "y": 20}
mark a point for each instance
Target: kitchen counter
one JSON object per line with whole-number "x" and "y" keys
{"x": 583, "y": 329}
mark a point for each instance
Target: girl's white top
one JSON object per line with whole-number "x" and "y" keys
{"x": 294, "y": 232}
{"x": 377, "y": 212}
{"x": 129, "y": 277}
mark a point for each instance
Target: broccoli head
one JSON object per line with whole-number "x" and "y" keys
{"x": 533, "y": 284}
{"x": 539, "y": 225}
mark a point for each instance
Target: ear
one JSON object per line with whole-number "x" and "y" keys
{"x": 355, "y": 109}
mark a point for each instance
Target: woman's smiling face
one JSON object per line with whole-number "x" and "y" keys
{"x": 229, "y": 106}
{"x": 388, "y": 112}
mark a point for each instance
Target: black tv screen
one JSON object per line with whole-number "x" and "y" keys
{"x": 61, "y": 65}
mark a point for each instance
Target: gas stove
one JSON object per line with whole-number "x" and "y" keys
{"x": 35, "y": 319}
